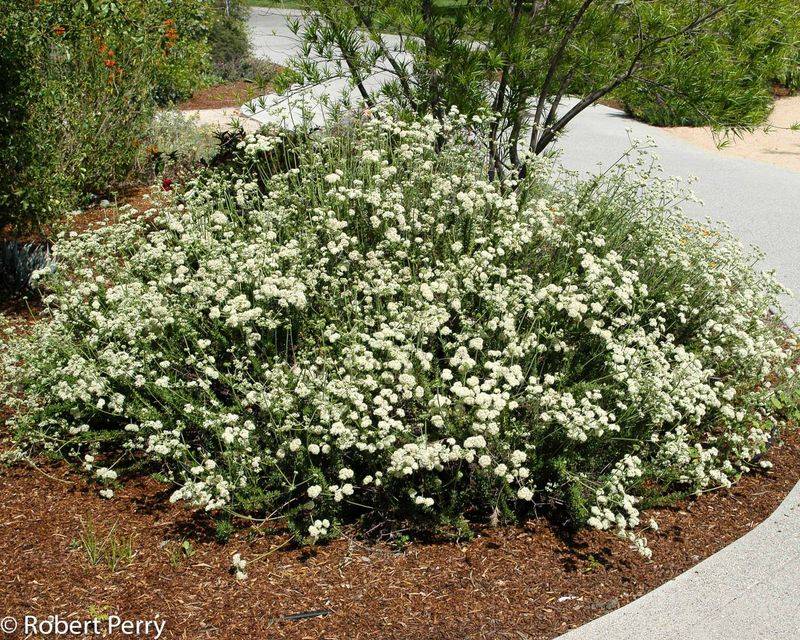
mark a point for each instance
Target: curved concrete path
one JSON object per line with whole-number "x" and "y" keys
{"x": 751, "y": 589}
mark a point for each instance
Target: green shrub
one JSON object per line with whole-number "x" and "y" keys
{"x": 230, "y": 46}
{"x": 358, "y": 321}
{"x": 725, "y": 78}
{"x": 231, "y": 53}
{"x": 175, "y": 144}
{"x": 716, "y": 87}
{"x": 82, "y": 84}
{"x": 789, "y": 74}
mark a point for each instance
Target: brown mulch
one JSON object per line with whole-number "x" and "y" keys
{"x": 135, "y": 195}
{"x": 525, "y": 582}
{"x": 614, "y": 103}
{"x": 780, "y": 91}
{"x": 220, "y": 96}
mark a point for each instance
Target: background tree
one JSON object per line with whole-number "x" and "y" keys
{"x": 521, "y": 58}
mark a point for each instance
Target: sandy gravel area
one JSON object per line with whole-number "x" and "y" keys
{"x": 779, "y": 145}
{"x": 220, "y": 118}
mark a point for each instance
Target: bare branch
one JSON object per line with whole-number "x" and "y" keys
{"x": 551, "y": 71}
{"x": 499, "y": 99}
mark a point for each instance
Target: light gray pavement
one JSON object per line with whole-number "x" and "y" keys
{"x": 751, "y": 589}
{"x": 270, "y": 34}
{"x": 272, "y": 38}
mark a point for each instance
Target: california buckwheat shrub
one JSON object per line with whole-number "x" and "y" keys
{"x": 360, "y": 321}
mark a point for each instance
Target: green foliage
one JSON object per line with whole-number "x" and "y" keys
{"x": 230, "y": 46}
{"x": 112, "y": 550}
{"x": 788, "y": 74}
{"x": 80, "y": 85}
{"x": 18, "y": 262}
{"x": 175, "y": 144}
{"x": 231, "y": 54}
{"x": 672, "y": 61}
{"x": 177, "y": 553}
{"x": 725, "y": 78}
{"x": 223, "y": 529}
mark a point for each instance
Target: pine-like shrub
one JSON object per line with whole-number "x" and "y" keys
{"x": 725, "y": 77}
{"x": 357, "y": 322}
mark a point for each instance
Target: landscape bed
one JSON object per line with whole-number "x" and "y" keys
{"x": 400, "y": 375}
{"x": 506, "y": 583}
{"x": 231, "y": 94}
{"x": 458, "y": 510}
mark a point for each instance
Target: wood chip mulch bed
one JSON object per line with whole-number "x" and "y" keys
{"x": 531, "y": 582}
{"x": 221, "y": 96}
{"x": 525, "y": 582}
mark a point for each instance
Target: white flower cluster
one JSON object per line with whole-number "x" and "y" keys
{"x": 238, "y": 565}
{"x": 319, "y": 529}
{"x": 365, "y": 320}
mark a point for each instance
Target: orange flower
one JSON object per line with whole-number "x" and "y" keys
{"x": 59, "y": 30}
{"x": 110, "y": 63}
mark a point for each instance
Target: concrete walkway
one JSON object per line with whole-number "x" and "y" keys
{"x": 221, "y": 118}
{"x": 270, "y": 34}
{"x": 751, "y": 589}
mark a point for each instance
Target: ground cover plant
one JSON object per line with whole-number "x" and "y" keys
{"x": 357, "y": 324}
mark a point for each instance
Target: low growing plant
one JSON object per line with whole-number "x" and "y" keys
{"x": 357, "y": 322}
{"x": 110, "y": 549}
{"x": 177, "y": 553}
{"x": 18, "y": 262}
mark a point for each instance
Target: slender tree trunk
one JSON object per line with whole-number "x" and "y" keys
{"x": 499, "y": 100}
